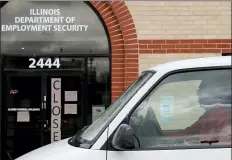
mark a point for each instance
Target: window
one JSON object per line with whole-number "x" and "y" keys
{"x": 98, "y": 87}
{"x": 188, "y": 109}
{"x": 92, "y": 41}
{"x": 94, "y": 130}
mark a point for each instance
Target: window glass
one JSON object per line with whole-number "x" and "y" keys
{"x": 100, "y": 123}
{"x": 98, "y": 87}
{"x": 185, "y": 110}
{"x": 92, "y": 40}
{"x": 72, "y": 62}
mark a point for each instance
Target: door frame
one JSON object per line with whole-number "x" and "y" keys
{"x": 60, "y": 74}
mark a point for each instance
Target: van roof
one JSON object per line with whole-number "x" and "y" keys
{"x": 193, "y": 63}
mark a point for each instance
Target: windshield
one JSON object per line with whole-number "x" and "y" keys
{"x": 87, "y": 136}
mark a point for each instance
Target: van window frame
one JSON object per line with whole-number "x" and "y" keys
{"x": 108, "y": 146}
{"x": 72, "y": 140}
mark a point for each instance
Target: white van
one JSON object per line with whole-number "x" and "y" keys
{"x": 175, "y": 111}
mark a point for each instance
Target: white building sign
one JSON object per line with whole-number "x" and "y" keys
{"x": 55, "y": 109}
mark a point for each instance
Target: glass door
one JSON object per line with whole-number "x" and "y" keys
{"x": 64, "y": 104}
{"x": 23, "y": 118}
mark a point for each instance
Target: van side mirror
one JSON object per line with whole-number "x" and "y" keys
{"x": 123, "y": 138}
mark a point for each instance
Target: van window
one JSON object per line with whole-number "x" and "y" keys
{"x": 188, "y": 109}
{"x": 86, "y": 137}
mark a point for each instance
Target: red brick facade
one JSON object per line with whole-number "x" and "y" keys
{"x": 185, "y": 46}
{"x": 125, "y": 46}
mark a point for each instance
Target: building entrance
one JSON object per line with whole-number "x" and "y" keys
{"x": 41, "y": 104}
{"x": 41, "y": 107}
{"x": 63, "y": 79}
{"x": 63, "y": 105}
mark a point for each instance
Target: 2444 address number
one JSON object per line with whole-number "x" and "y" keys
{"x": 41, "y": 63}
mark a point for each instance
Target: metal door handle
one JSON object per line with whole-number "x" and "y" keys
{"x": 43, "y": 105}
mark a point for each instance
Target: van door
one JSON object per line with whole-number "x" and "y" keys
{"x": 186, "y": 116}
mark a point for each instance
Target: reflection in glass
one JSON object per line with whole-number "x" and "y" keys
{"x": 98, "y": 85}
{"x": 94, "y": 130}
{"x": 72, "y": 63}
{"x": 92, "y": 41}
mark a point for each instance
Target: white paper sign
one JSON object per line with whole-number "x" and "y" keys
{"x": 166, "y": 109}
{"x": 23, "y": 116}
{"x": 70, "y": 109}
{"x": 70, "y": 96}
{"x": 97, "y": 111}
{"x": 55, "y": 109}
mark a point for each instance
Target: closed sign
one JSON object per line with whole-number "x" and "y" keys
{"x": 55, "y": 109}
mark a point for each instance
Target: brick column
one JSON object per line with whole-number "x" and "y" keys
{"x": 124, "y": 44}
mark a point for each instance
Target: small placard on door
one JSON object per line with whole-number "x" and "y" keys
{"x": 23, "y": 116}
{"x": 71, "y": 96}
{"x": 70, "y": 108}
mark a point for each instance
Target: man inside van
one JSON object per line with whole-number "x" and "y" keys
{"x": 213, "y": 125}
{"x": 215, "y": 98}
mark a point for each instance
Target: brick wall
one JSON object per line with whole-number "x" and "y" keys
{"x": 154, "y": 52}
{"x": 150, "y": 60}
{"x": 124, "y": 43}
{"x": 176, "y": 30}
{"x": 185, "y": 46}
{"x": 181, "y": 20}
{"x": 144, "y": 34}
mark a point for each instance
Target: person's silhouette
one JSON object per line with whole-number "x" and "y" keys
{"x": 216, "y": 121}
